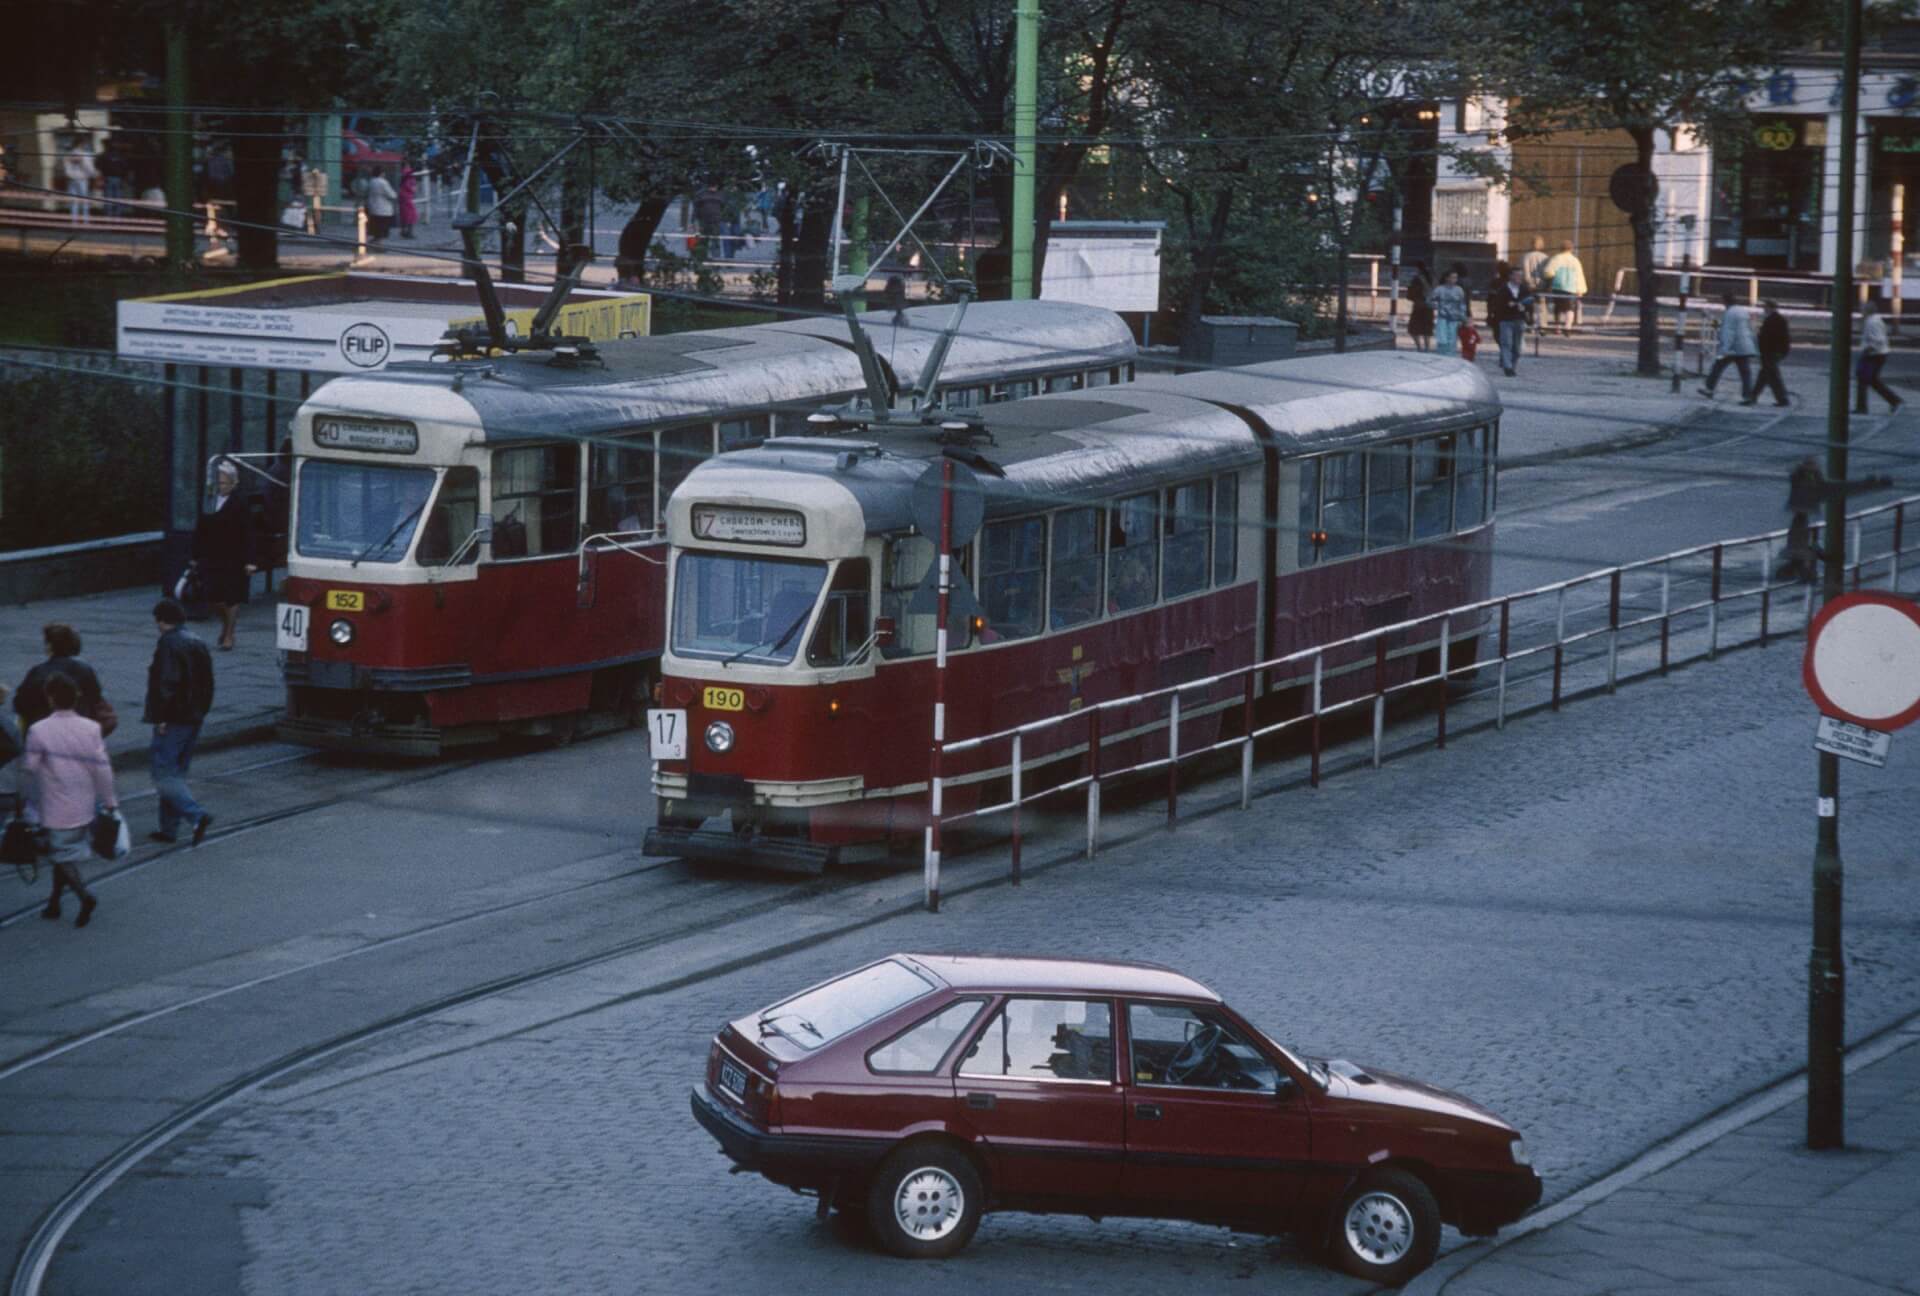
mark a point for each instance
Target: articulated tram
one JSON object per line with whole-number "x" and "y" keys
{"x": 1140, "y": 537}
{"x": 476, "y": 546}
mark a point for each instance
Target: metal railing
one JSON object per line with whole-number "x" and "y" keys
{"x": 1577, "y": 636}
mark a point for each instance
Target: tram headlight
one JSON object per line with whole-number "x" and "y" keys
{"x": 720, "y": 737}
{"x": 341, "y": 632}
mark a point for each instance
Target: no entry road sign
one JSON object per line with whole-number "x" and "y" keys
{"x": 1863, "y": 660}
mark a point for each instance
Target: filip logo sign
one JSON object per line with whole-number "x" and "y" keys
{"x": 365, "y": 346}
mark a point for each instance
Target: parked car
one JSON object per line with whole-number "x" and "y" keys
{"x": 926, "y": 1090}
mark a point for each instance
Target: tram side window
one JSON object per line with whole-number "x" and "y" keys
{"x": 792, "y": 422}
{"x": 1063, "y": 382}
{"x": 1432, "y": 487}
{"x": 1470, "y": 481}
{"x": 1387, "y": 470}
{"x": 963, "y": 397}
{"x": 844, "y": 623}
{"x": 740, "y": 433}
{"x": 1226, "y": 528}
{"x": 456, "y": 511}
{"x": 1344, "y": 513}
{"x": 903, "y": 568}
{"x": 536, "y": 501}
{"x": 1309, "y": 511}
{"x": 1076, "y": 567}
{"x": 681, "y": 450}
{"x": 1186, "y": 522}
{"x": 1013, "y": 561}
{"x": 1100, "y": 378}
{"x": 620, "y": 486}
{"x": 1133, "y": 534}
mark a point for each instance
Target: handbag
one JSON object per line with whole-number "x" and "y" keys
{"x": 106, "y": 717}
{"x": 108, "y": 835}
{"x": 190, "y": 588}
{"x": 16, "y": 843}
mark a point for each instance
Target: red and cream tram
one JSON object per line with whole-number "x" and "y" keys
{"x": 1141, "y": 537}
{"x": 475, "y": 547}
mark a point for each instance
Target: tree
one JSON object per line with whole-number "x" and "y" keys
{"x": 1645, "y": 67}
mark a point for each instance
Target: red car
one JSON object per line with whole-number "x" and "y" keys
{"x": 927, "y": 1089}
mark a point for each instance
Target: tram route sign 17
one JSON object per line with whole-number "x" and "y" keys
{"x": 1862, "y": 669}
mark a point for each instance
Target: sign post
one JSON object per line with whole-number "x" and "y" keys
{"x": 946, "y": 503}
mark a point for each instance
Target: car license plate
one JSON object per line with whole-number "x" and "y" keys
{"x": 724, "y": 699}
{"x": 290, "y": 628}
{"x": 667, "y": 733}
{"x": 346, "y": 601}
{"x": 733, "y": 1080}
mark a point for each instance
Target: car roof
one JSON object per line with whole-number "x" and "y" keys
{"x": 1050, "y": 975}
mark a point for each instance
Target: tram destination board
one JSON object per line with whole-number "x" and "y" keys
{"x": 750, "y": 526}
{"x": 377, "y": 437}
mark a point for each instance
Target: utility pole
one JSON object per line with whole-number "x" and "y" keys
{"x": 179, "y": 155}
{"x": 1026, "y": 96}
{"x": 1826, "y": 966}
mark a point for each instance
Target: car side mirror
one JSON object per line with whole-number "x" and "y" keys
{"x": 1286, "y": 1089}
{"x": 884, "y": 630}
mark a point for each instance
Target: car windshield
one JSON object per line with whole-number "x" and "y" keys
{"x": 814, "y": 1017}
{"x": 743, "y": 609}
{"x": 366, "y": 512}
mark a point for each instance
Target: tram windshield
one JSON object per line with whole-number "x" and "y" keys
{"x": 366, "y": 512}
{"x": 736, "y": 608}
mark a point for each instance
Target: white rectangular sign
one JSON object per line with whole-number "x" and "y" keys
{"x": 290, "y": 627}
{"x": 1868, "y": 746}
{"x": 667, "y": 734}
{"x": 305, "y": 338}
{"x": 749, "y": 526}
{"x": 1121, "y": 274}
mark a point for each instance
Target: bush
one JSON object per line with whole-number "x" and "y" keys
{"x": 81, "y": 457}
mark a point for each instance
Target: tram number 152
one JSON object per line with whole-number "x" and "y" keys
{"x": 667, "y": 734}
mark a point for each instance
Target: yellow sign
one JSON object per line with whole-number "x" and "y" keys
{"x": 596, "y": 321}
{"x": 1778, "y": 136}
{"x": 723, "y": 699}
{"x": 346, "y": 601}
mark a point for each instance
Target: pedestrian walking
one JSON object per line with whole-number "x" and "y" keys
{"x": 1420, "y": 316}
{"x": 710, "y": 214}
{"x": 1534, "y": 265}
{"x": 382, "y": 202}
{"x": 1874, "y": 345}
{"x": 1736, "y": 346}
{"x": 1808, "y": 489}
{"x": 78, "y": 168}
{"x": 1449, "y": 312}
{"x": 1567, "y": 279}
{"x": 73, "y": 781}
{"x": 409, "y": 210}
{"x": 223, "y": 549}
{"x": 1507, "y": 310}
{"x": 1775, "y": 342}
{"x": 62, "y": 642}
{"x": 314, "y": 185}
{"x": 179, "y": 695}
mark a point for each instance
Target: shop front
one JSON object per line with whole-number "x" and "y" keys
{"x": 1767, "y": 194}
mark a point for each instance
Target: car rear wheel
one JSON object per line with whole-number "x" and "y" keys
{"x": 1387, "y": 1229}
{"x": 924, "y": 1202}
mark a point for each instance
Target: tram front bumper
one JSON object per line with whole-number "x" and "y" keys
{"x": 755, "y": 850}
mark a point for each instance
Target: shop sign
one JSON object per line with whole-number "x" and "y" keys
{"x": 1776, "y": 135}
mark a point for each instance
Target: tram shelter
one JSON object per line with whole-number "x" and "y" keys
{"x": 238, "y": 361}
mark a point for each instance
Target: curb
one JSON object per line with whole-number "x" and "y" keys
{"x": 252, "y": 728}
{"x": 1729, "y": 1119}
{"x": 1625, "y": 441}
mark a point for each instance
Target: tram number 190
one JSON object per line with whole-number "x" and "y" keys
{"x": 667, "y": 734}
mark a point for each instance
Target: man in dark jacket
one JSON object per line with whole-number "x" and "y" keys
{"x": 179, "y": 695}
{"x": 1775, "y": 342}
{"x": 63, "y": 655}
{"x": 1507, "y": 307}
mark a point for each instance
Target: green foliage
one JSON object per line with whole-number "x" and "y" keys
{"x": 80, "y": 458}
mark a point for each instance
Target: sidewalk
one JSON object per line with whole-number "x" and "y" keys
{"x": 1738, "y": 1205}
{"x": 117, "y": 636}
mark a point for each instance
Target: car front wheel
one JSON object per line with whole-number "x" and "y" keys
{"x": 924, "y": 1202}
{"x": 1387, "y": 1229}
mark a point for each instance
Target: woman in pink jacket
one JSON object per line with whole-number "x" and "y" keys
{"x": 68, "y": 761}
{"x": 409, "y": 210}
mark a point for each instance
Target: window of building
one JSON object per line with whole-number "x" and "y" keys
{"x": 682, "y": 449}
{"x": 1133, "y": 543}
{"x": 1343, "y": 513}
{"x": 1013, "y": 562}
{"x": 1226, "y": 528}
{"x": 620, "y": 485}
{"x": 1187, "y": 523}
{"x": 456, "y": 512}
{"x": 1045, "y": 1039}
{"x": 1432, "y": 486}
{"x": 919, "y": 1048}
{"x": 536, "y": 501}
{"x": 1076, "y": 568}
{"x": 844, "y": 622}
{"x": 1387, "y": 470}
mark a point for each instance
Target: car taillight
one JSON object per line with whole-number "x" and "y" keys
{"x": 772, "y": 1106}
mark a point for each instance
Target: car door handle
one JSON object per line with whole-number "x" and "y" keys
{"x": 980, "y": 1101}
{"x": 1147, "y": 1111}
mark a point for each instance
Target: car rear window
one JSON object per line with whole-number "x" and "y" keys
{"x": 825, "y": 1013}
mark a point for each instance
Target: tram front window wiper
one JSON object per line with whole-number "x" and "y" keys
{"x": 777, "y": 644}
{"x": 381, "y": 548}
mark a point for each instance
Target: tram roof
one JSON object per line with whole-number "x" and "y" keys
{"x": 694, "y": 376}
{"x": 1108, "y": 441}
